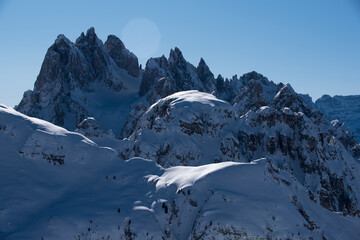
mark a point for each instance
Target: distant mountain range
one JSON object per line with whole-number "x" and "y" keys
{"x": 343, "y": 108}
{"x": 173, "y": 152}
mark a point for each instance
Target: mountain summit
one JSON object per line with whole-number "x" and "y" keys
{"x": 163, "y": 77}
{"x": 84, "y": 79}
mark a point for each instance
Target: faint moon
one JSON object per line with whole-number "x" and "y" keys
{"x": 142, "y": 37}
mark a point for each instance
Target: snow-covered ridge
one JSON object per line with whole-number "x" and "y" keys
{"x": 108, "y": 198}
{"x": 186, "y": 129}
{"x": 35, "y": 122}
{"x": 40, "y": 140}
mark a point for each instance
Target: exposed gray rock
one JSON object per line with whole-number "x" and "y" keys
{"x": 250, "y": 97}
{"x": 206, "y": 76}
{"x": 287, "y": 97}
{"x": 122, "y": 56}
{"x": 77, "y": 80}
{"x": 163, "y": 77}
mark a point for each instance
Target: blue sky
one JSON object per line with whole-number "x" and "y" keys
{"x": 313, "y": 45}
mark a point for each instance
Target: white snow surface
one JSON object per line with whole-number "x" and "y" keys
{"x": 94, "y": 194}
{"x": 193, "y": 96}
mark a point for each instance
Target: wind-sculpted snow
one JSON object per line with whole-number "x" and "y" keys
{"x": 42, "y": 141}
{"x": 245, "y": 200}
{"x": 104, "y": 197}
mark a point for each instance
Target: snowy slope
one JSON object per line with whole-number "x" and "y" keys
{"x": 343, "y": 108}
{"x": 95, "y": 195}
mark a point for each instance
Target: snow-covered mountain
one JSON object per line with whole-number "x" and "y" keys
{"x": 85, "y": 79}
{"x": 198, "y": 157}
{"x": 57, "y": 184}
{"x": 194, "y": 128}
{"x": 343, "y": 108}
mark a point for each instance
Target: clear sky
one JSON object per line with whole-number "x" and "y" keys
{"x": 313, "y": 45}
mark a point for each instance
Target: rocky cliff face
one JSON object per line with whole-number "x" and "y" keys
{"x": 343, "y": 108}
{"x": 81, "y": 79}
{"x": 123, "y": 57}
{"x": 163, "y": 77}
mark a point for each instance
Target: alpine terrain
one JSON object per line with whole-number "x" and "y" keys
{"x": 104, "y": 149}
{"x": 343, "y": 108}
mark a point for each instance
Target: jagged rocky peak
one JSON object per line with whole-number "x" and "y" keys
{"x": 62, "y": 42}
{"x": 227, "y": 89}
{"x": 122, "y": 56}
{"x": 113, "y": 42}
{"x": 220, "y": 82}
{"x": 61, "y": 66}
{"x": 163, "y": 77}
{"x": 183, "y": 73}
{"x": 250, "y": 97}
{"x": 253, "y": 75}
{"x": 206, "y": 76}
{"x": 74, "y": 76}
{"x": 287, "y": 97}
{"x": 155, "y": 67}
{"x": 157, "y": 64}
{"x": 256, "y": 91}
{"x": 98, "y": 58}
{"x": 231, "y": 90}
{"x": 90, "y": 38}
{"x": 176, "y": 57}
